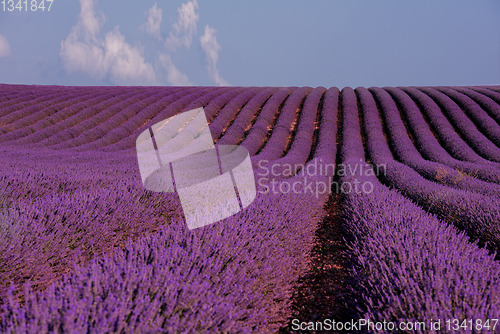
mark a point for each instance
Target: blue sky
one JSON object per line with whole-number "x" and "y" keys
{"x": 253, "y": 43}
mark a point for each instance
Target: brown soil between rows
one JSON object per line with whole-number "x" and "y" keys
{"x": 322, "y": 292}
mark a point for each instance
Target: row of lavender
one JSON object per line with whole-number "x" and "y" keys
{"x": 467, "y": 207}
{"x": 235, "y": 276}
{"x": 409, "y": 266}
{"x": 90, "y": 118}
{"x": 254, "y": 127}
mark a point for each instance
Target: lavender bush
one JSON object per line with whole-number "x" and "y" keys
{"x": 70, "y": 119}
{"x": 259, "y": 131}
{"x": 183, "y": 281}
{"x": 484, "y": 101}
{"x": 476, "y": 114}
{"x": 85, "y": 248}
{"x": 408, "y": 265}
{"x": 240, "y": 111}
{"x": 473, "y": 212}
{"x": 406, "y": 152}
{"x": 468, "y": 130}
{"x": 429, "y": 146}
{"x": 451, "y": 141}
{"x": 172, "y": 109}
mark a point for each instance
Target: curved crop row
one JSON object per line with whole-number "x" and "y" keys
{"x": 116, "y": 120}
{"x": 42, "y": 135}
{"x": 113, "y": 122}
{"x": 351, "y": 148}
{"x": 485, "y": 102}
{"x": 213, "y": 108}
{"x": 264, "y": 121}
{"x": 171, "y": 110}
{"x": 315, "y": 176}
{"x": 276, "y": 144}
{"x": 64, "y": 110}
{"x": 234, "y": 276}
{"x": 468, "y": 130}
{"x": 406, "y": 152}
{"x": 134, "y": 123}
{"x": 26, "y": 94}
{"x": 211, "y": 94}
{"x": 233, "y": 119}
{"x": 119, "y": 117}
{"x": 191, "y": 128}
{"x": 493, "y": 88}
{"x": 30, "y": 116}
{"x": 430, "y": 147}
{"x": 20, "y": 97}
{"x": 495, "y": 96}
{"x": 26, "y": 108}
{"x": 326, "y": 147}
{"x": 301, "y": 145}
{"x": 92, "y": 118}
{"x": 477, "y": 115}
{"x": 395, "y": 244}
{"x": 452, "y": 142}
{"x": 410, "y": 266}
{"x": 475, "y": 213}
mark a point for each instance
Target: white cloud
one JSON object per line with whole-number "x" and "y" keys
{"x": 152, "y": 25}
{"x": 185, "y": 27}
{"x": 83, "y": 56}
{"x": 124, "y": 61}
{"x": 89, "y": 23}
{"x": 211, "y": 48}
{"x": 181, "y": 35}
{"x": 174, "y": 76}
{"x": 4, "y": 46}
{"x": 84, "y": 51}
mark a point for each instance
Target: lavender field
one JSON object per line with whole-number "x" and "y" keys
{"x": 406, "y": 180}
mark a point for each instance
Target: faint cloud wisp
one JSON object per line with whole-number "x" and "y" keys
{"x": 174, "y": 76}
{"x": 185, "y": 27}
{"x": 84, "y": 51}
{"x": 108, "y": 55}
{"x": 153, "y": 22}
{"x": 211, "y": 49}
{"x": 181, "y": 35}
{"x": 4, "y": 46}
